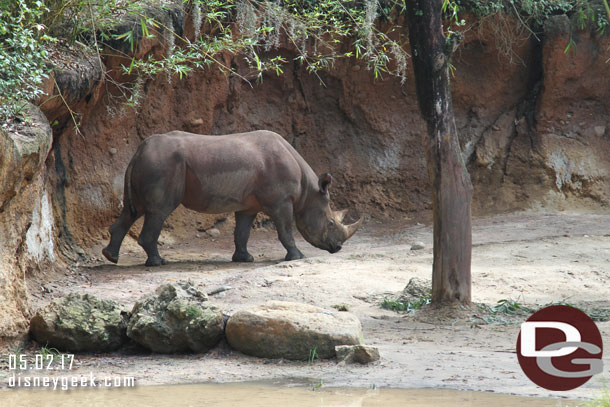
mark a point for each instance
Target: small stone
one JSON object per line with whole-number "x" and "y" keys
{"x": 362, "y": 354}
{"x": 599, "y": 130}
{"x": 213, "y": 232}
{"x": 197, "y": 122}
{"x": 418, "y": 246}
{"x": 220, "y": 290}
{"x": 495, "y": 128}
{"x": 356, "y": 68}
{"x": 113, "y": 151}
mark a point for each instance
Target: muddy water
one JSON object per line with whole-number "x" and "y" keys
{"x": 230, "y": 395}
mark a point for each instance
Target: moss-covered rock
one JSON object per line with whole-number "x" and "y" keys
{"x": 176, "y": 318}
{"x": 80, "y": 323}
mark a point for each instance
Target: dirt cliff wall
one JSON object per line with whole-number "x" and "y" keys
{"x": 26, "y": 216}
{"x": 533, "y": 125}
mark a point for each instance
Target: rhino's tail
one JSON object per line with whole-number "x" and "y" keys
{"x": 127, "y": 192}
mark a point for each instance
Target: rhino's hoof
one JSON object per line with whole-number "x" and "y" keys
{"x": 296, "y": 255}
{"x": 243, "y": 257}
{"x": 111, "y": 258}
{"x": 155, "y": 261}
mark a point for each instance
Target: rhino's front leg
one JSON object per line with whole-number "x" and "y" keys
{"x": 243, "y": 225}
{"x": 282, "y": 218}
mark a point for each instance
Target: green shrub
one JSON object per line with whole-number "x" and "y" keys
{"x": 22, "y": 54}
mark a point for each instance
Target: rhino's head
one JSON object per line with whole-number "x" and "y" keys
{"x": 320, "y": 225}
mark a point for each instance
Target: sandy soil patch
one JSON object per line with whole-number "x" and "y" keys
{"x": 533, "y": 258}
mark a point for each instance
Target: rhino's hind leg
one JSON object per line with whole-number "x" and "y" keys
{"x": 118, "y": 230}
{"x": 282, "y": 218}
{"x": 243, "y": 225}
{"x": 153, "y": 222}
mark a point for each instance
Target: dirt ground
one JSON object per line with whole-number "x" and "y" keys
{"x": 534, "y": 258}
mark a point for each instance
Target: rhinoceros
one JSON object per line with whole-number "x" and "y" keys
{"x": 245, "y": 173}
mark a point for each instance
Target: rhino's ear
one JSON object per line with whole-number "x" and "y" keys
{"x": 324, "y": 182}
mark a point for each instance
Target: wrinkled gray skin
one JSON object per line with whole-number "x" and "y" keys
{"x": 244, "y": 173}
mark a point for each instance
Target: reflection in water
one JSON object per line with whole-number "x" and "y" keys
{"x": 256, "y": 395}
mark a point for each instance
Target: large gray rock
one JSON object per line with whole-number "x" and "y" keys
{"x": 291, "y": 330}
{"x": 80, "y": 323}
{"x": 176, "y": 318}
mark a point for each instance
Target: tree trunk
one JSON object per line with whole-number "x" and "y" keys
{"x": 451, "y": 186}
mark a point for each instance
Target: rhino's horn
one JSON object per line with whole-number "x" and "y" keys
{"x": 340, "y": 215}
{"x": 351, "y": 229}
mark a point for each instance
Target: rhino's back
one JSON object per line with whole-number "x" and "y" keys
{"x": 231, "y": 172}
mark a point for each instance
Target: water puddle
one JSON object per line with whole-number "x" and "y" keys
{"x": 255, "y": 395}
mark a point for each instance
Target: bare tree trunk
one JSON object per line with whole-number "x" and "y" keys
{"x": 451, "y": 186}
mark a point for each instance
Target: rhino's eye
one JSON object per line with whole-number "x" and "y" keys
{"x": 331, "y": 223}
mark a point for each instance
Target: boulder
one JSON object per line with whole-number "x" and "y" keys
{"x": 291, "y": 330}
{"x": 416, "y": 289}
{"x": 176, "y": 318}
{"x": 80, "y": 323}
{"x": 362, "y": 354}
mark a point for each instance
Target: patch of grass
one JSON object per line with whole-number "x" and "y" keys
{"x": 405, "y": 306}
{"x": 48, "y": 351}
{"x": 503, "y": 312}
{"x": 317, "y": 386}
{"x": 17, "y": 349}
{"x": 313, "y": 355}
{"x": 341, "y": 307}
{"x": 596, "y": 314}
{"x": 506, "y": 307}
{"x": 602, "y": 400}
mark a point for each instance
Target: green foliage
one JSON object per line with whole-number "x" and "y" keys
{"x": 595, "y": 313}
{"x": 22, "y": 54}
{"x": 405, "y": 306}
{"x": 313, "y": 355}
{"x": 504, "y": 312}
{"x": 318, "y": 386}
{"x": 317, "y": 30}
{"x": 602, "y": 400}
{"x": 320, "y": 32}
{"x": 506, "y": 307}
{"x": 74, "y": 20}
{"x": 510, "y": 307}
{"x": 47, "y": 352}
{"x": 535, "y": 12}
